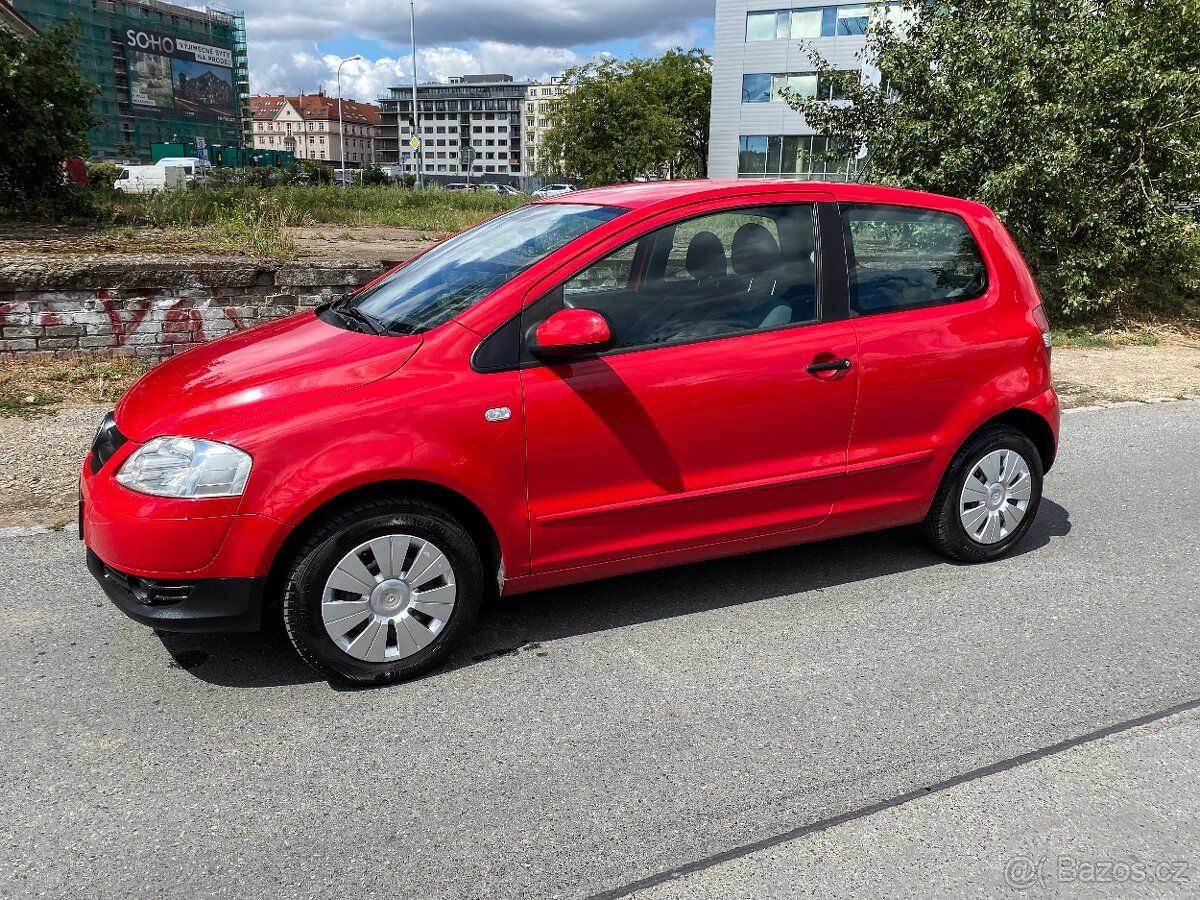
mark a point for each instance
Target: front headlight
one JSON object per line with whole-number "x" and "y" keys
{"x": 186, "y": 467}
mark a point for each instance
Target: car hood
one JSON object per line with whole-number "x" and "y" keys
{"x": 251, "y": 373}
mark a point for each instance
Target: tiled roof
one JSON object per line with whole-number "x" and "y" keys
{"x": 315, "y": 107}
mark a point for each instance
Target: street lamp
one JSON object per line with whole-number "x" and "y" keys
{"x": 341, "y": 126}
{"x": 416, "y": 116}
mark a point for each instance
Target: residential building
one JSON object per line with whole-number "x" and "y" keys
{"x": 759, "y": 48}
{"x": 13, "y": 22}
{"x": 309, "y": 126}
{"x": 470, "y": 129}
{"x": 164, "y": 72}
{"x": 541, "y": 103}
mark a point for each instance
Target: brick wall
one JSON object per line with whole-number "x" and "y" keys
{"x": 153, "y": 309}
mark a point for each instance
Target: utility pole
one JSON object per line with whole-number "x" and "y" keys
{"x": 341, "y": 125}
{"x": 418, "y": 150}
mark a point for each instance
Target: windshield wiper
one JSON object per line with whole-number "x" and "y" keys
{"x": 352, "y": 313}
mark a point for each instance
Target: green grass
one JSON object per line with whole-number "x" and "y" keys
{"x": 245, "y": 206}
{"x": 24, "y": 404}
{"x": 1076, "y": 337}
{"x": 32, "y": 388}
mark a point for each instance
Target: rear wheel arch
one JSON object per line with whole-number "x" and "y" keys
{"x": 1033, "y": 426}
{"x": 478, "y": 526}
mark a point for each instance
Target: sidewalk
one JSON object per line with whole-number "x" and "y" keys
{"x": 1114, "y": 817}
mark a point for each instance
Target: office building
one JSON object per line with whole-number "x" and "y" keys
{"x": 758, "y": 49}
{"x": 469, "y": 129}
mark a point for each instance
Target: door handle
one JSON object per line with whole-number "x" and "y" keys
{"x": 835, "y": 365}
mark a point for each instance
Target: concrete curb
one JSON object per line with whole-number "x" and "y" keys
{"x": 1122, "y": 404}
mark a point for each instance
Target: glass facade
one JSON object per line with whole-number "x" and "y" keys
{"x": 803, "y": 156}
{"x": 817, "y": 21}
{"x": 769, "y": 88}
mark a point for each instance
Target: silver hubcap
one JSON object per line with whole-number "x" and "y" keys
{"x": 996, "y": 496}
{"x": 388, "y": 598}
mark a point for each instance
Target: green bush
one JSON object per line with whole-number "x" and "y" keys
{"x": 1078, "y": 124}
{"x": 103, "y": 175}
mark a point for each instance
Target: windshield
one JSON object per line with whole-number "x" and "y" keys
{"x": 457, "y": 274}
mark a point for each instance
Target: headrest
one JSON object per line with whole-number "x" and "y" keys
{"x": 706, "y": 256}
{"x": 754, "y": 250}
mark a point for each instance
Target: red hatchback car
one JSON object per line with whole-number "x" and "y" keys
{"x": 615, "y": 380}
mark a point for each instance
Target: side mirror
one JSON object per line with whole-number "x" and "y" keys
{"x": 572, "y": 332}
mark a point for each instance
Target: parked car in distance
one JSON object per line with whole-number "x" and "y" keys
{"x": 509, "y": 191}
{"x": 607, "y": 382}
{"x": 458, "y": 186}
{"x": 552, "y": 190}
{"x": 148, "y": 179}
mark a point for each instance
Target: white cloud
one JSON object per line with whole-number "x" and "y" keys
{"x": 275, "y": 68}
{"x": 548, "y": 23}
{"x": 531, "y": 39}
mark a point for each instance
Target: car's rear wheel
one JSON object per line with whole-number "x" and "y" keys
{"x": 382, "y": 591}
{"x": 988, "y": 497}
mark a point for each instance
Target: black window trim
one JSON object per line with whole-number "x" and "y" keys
{"x": 843, "y": 208}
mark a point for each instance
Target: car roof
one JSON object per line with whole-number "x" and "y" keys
{"x": 643, "y": 194}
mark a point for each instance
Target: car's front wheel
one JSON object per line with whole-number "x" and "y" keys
{"x": 381, "y": 591}
{"x": 988, "y": 497}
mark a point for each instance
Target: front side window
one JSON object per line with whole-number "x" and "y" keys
{"x": 458, "y": 273}
{"x": 719, "y": 275}
{"x": 905, "y": 258}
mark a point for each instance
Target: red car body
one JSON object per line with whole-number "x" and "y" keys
{"x": 604, "y": 465}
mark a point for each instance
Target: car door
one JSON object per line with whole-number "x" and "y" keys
{"x": 724, "y": 409}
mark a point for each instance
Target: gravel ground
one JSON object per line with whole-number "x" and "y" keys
{"x": 39, "y": 465}
{"x": 40, "y": 457}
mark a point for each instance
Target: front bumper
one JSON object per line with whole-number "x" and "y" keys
{"x": 176, "y": 565}
{"x": 216, "y": 604}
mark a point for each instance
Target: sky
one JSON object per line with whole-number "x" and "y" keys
{"x": 296, "y": 46}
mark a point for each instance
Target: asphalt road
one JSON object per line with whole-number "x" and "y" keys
{"x": 591, "y": 740}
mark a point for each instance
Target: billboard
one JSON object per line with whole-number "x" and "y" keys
{"x": 180, "y": 77}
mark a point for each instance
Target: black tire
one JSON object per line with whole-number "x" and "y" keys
{"x": 943, "y": 526}
{"x": 325, "y": 547}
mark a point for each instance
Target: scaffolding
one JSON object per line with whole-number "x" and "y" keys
{"x": 103, "y": 61}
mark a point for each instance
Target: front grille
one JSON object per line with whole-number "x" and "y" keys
{"x": 107, "y": 442}
{"x": 149, "y": 592}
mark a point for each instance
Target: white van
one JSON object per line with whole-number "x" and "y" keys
{"x": 147, "y": 179}
{"x": 191, "y": 165}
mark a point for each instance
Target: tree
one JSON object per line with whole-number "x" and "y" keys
{"x": 630, "y": 118}
{"x": 46, "y": 109}
{"x": 1078, "y": 123}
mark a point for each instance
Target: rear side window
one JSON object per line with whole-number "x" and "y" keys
{"x": 906, "y": 258}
